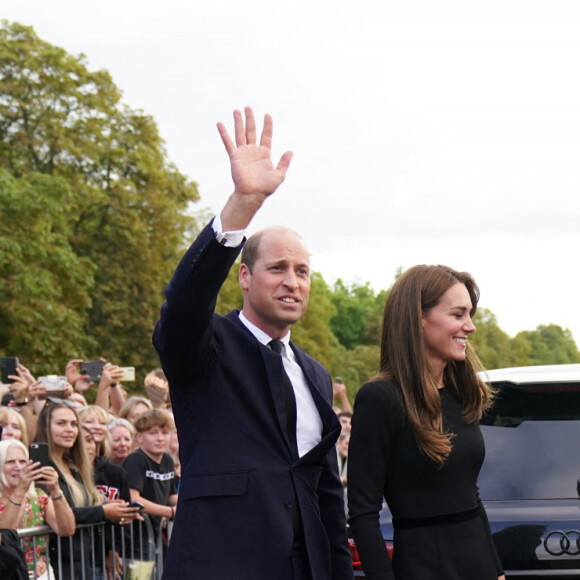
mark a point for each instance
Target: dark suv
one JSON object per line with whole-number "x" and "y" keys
{"x": 529, "y": 480}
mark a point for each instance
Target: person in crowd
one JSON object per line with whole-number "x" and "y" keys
{"x": 133, "y": 407}
{"x": 22, "y": 505}
{"x": 12, "y": 562}
{"x": 13, "y": 426}
{"x": 415, "y": 438}
{"x": 58, "y": 425}
{"x": 342, "y": 446}
{"x": 339, "y": 394}
{"x": 96, "y": 419}
{"x": 25, "y": 395}
{"x": 157, "y": 388}
{"x": 112, "y": 482}
{"x": 109, "y": 394}
{"x": 122, "y": 434}
{"x": 256, "y": 427}
{"x": 345, "y": 418}
{"x": 150, "y": 468}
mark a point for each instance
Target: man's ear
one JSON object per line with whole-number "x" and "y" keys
{"x": 138, "y": 438}
{"x": 244, "y": 276}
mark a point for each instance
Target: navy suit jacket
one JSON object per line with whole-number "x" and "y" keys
{"x": 239, "y": 482}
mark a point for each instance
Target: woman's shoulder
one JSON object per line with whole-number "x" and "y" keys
{"x": 379, "y": 389}
{"x": 381, "y": 396}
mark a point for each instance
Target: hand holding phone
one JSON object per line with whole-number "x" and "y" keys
{"x": 9, "y": 365}
{"x": 38, "y": 451}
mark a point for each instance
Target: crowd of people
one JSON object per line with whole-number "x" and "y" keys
{"x": 100, "y": 459}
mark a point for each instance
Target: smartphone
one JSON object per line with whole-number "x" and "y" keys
{"x": 39, "y": 452}
{"x": 338, "y": 380}
{"x": 137, "y": 504}
{"x": 128, "y": 374}
{"x": 9, "y": 364}
{"x": 93, "y": 368}
{"x": 55, "y": 385}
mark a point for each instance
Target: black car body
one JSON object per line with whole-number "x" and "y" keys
{"x": 529, "y": 480}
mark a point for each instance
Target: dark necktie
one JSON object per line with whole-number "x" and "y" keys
{"x": 289, "y": 398}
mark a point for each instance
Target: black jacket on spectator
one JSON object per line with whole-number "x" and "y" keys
{"x": 12, "y": 562}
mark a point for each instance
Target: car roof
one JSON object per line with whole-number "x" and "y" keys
{"x": 569, "y": 373}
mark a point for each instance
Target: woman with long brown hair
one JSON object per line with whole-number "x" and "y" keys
{"x": 415, "y": 438}
{"x": 59, "y": 427}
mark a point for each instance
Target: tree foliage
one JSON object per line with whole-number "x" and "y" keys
{"x": 123, "y": 206}
{"x": 94, "y": 218}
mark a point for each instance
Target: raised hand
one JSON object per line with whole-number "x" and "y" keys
{"x": 254, "y": 175}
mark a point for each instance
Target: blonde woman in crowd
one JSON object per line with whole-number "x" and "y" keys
{"x": 122, "y": 435}
{"x": 22, "y": 505}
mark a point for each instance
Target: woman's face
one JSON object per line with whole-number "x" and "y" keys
{"x": 122, "y": 443}
{"x": 446, "y": 327}
{"x": 13, "y": 465}
{"x": 11, "y": 429}
{"x": 137, "y": 410}
{"x": 64, "y": 428}
{"x": 96, "y": 425}
{"x": 91, "y": 445}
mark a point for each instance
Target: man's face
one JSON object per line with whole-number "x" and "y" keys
{"x": 276, "y": 291}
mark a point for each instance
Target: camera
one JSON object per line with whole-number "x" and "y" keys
{"x": 55, "y": 385}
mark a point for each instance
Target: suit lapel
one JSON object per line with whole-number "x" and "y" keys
{"x": 273, "y": 367}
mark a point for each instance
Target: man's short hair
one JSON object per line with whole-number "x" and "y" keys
{"x": 250, "y": 251}
{"x": 154, "y": 418}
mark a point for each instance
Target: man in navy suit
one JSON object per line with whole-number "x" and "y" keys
{"x": 260, "y": 495}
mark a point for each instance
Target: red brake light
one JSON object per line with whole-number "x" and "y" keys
{"x": 356, "y": 565}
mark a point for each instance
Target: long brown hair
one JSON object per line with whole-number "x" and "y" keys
{"x": 75, "y": 458}
{"x": 404, "y": 360}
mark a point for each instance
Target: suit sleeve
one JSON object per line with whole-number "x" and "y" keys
{"x": 183, "y": 333}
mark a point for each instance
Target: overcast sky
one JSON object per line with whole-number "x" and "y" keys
{"x": 423, "y": 132}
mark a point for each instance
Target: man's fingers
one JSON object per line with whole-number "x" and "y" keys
{"x": 228, "y": 143}
{"x": 239, "y": 129}
{"x": 250, "y": 126}
{"x": 284, "y": 162}
{"x": 267, "y": 131}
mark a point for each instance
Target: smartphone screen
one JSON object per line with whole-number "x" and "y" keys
{"x": 92, "y": 368}
{"x": 9, "y": 364}
{"x": 38, "y": 451}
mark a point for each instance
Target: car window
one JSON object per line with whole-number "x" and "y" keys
{"x": 532, "y": 438}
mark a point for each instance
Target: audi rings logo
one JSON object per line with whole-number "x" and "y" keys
{"x": 558, "y": 543}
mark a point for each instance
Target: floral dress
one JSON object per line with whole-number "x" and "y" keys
{"x": 34, "y": 515}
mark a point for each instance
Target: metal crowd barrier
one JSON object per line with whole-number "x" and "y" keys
{"x": 142, "y": 551}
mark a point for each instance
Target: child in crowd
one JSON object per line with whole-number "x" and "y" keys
{"x": 151, "y": 469}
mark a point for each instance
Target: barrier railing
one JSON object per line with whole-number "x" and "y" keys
{"x": 139, "y": 547}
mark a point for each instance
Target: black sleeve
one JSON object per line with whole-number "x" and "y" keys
{"x": 135, "y": 467}
{"x": 183, "y": 332}
{"x": 376, "y": 415}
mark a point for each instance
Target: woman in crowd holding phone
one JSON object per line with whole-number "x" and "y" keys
{"x": 415, "y": 438}
{"x": 58, "y": 425}
{"x": 22, "y": 505}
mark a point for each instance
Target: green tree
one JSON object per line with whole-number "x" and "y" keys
{"x": 125, "y": 205}
{"x": 550, "y": 344}
{"x": 44, "y": 286}
{"x": 357, "y": 317}
{"x": 494, "y": 346}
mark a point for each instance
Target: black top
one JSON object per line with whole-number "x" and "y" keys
{"x": 111, "y": 480}
{"x": 386, "y": 461}
{"x": 154, "y": 481}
